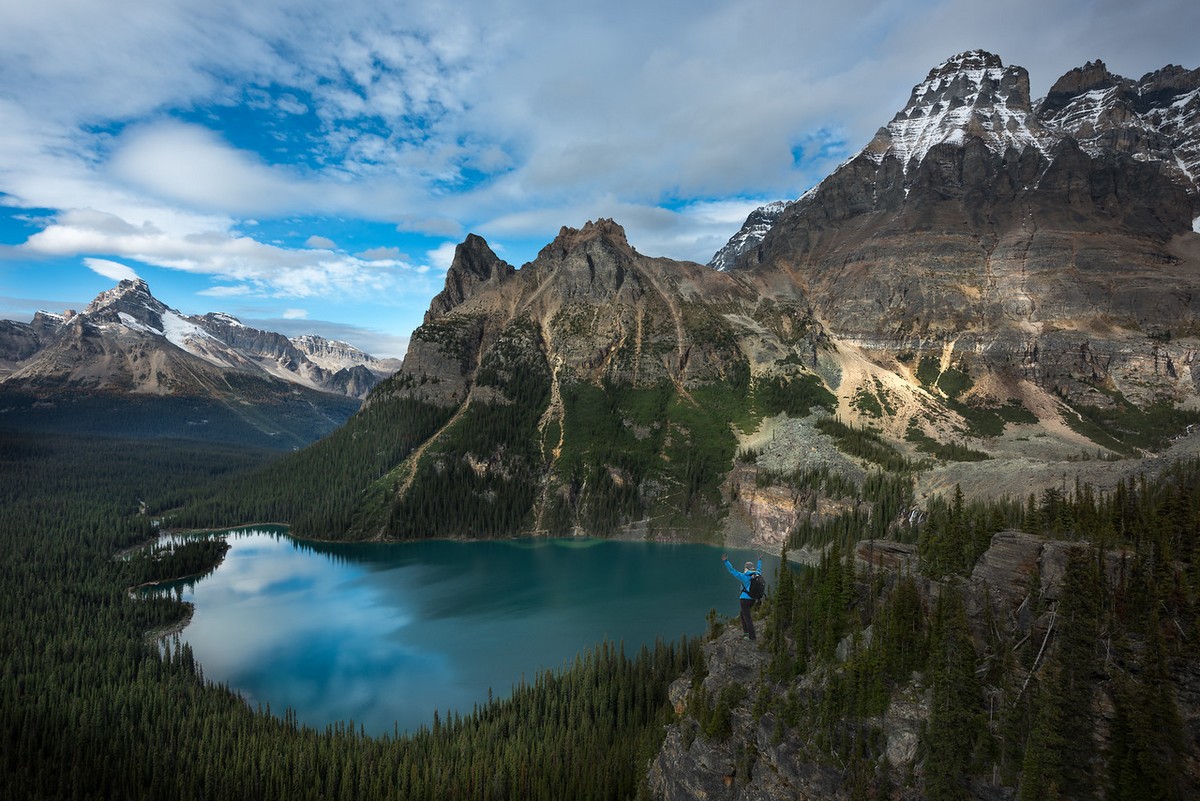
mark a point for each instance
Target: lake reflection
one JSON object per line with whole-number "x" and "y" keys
{"x": 384, "y": 634}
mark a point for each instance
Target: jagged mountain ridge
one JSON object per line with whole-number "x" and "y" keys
{"x": 749, "y": 235}
{"x": 48, "y": 351}
{"x": 1155, "y": 119}
{"x": 542, "y": 348}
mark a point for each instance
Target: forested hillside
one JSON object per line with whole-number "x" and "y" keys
{"x": 615, "y": 454}
{"x": 92, "y": 708}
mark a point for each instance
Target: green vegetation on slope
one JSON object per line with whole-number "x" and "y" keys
{"x": 866, "y": 444}
{"x": 319, "y": 490}
{"x": 982, "y": 421}
{"x": 654, "y": 453}
{"x": 881, "y": 503}
{"x": 480, "y": 477}
{"x": 1126, "y": 428}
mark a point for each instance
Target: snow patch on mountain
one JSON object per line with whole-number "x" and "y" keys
{"x": 332, "y": 354}
{"x": 972, "y": 93}
{"x": 227, "y": 319}
{"x": 181, "y": 332}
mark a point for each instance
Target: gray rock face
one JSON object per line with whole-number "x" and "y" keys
{"x": 474, "y": 266}
{"x": 602, "y": 310}
{"x": 748, "y": 764}
{"x": 1006, "y": 567}
{"x": 18, "y": 341}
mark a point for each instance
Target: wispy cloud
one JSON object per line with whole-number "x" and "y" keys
{"x": 111, "y": 269}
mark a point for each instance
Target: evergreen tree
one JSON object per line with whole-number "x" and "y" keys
{"x": 955, "y": 714}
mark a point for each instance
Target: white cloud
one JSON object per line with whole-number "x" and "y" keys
{"x": 295, "y": 314}
{"x": 111, "y": 269}
{"x": 190, "y": 165}
{"x": 270, "y": 269}
{"x": 319, "y": 243}
{"x": 382, "y": 254}
{"x": 442, "y": 256}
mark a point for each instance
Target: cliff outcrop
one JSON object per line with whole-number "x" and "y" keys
{"x": 749, "y": 729}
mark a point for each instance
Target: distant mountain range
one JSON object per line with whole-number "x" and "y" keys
{"x": 129, "y": 350}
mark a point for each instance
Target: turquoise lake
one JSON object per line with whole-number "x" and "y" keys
{"x": 384, "y": 634}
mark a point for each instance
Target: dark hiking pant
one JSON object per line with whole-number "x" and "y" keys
{"x": 747, "y": 620}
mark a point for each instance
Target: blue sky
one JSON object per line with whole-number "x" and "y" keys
{"x": 309, "y": 166}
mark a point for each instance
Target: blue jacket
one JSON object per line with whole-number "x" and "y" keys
{"x": 743, "y": 577}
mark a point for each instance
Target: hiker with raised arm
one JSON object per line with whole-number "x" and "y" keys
{"x": 753, "y": 589}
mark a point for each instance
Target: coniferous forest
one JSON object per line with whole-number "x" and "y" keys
{"x": 1073, "y": 695}
{"x": 95, "y": 705}
{"x": 91, "y": 707}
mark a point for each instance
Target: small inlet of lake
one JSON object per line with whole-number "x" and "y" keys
{"x": 384, "y": 634}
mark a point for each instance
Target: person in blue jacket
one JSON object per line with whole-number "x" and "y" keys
{"x": 746, "y": 601}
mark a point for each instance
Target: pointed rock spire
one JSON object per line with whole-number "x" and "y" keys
{"x": 474, "y": 265}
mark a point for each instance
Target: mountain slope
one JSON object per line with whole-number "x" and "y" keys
{"x": 579, "y": 383}
{"x": 968, "y": 222}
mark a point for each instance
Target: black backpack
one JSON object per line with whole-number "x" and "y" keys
{"x": 758, "y": 586}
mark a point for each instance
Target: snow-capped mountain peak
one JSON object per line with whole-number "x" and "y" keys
{"x": 752, "y": 232}
{"x": 131, "y": 305}
{"x": 970, "y": 94}
{"x": 135, "y": 340}
{"x": 331, "y": 354}
{"x": 135, "y": 291}
{"x": 1156, "y": 118}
